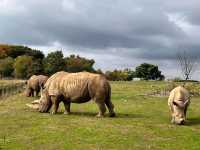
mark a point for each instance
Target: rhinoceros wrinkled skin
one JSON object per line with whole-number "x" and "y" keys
{"x": 178, "y": 103}
{"x": 76, "y": 88}
{"x": 34, "y": 84}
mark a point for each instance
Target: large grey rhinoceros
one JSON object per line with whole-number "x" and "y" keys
{"x": 178, "y": 103}
{"x": 75, "y": 88}
{"x": 34, "y": 84}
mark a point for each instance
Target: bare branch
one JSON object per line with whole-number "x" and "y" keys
{"x": 187, "y": 63}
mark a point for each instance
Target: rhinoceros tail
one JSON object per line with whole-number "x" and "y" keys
{"x": 108, "y": 102}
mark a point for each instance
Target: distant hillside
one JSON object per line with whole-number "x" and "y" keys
{"x": 16, "y": 50}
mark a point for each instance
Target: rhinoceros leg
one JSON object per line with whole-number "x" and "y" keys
{"x": 102, "y": 108}
{"x": 67, "y": 107}
{"x": 37, "y": 92}
{"x": 32, "y": 93}
{"x": 55, "y": 102}
{"x": 110, "y": 107}
{"x": 172, "y": 112}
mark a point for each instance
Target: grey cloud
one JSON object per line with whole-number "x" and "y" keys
{"x": 129, "y": 31}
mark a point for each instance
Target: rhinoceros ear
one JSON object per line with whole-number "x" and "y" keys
{"x": 186, "y": 102}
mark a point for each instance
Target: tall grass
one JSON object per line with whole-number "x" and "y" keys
{"x": 11, "y": 87}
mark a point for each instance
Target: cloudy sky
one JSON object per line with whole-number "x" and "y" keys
{"x": 116, "y": 33}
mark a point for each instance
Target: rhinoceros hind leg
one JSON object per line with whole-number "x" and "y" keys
{"x": 110, "y": 107}
{"x": 67, "y": 107}
{"x": 102, "y": 109}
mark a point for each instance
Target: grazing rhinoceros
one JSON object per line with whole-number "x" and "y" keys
{"x": 178, "y": 103}
{"x": 75, "y": 88}
{"x": 35, "y": 83}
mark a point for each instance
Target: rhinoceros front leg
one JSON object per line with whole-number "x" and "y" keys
{"x": 37, "y": 93}
{"x": 55, "y": 102}
{"x": 32, "y": 93}
{"x": 67, "y": 107}
{"x": 172, "y": 113}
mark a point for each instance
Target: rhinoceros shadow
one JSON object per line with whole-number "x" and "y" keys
{"x": 118, "y": 115}
{"x": 193, "y": 121}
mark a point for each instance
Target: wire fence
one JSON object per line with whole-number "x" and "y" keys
{"x": 7, "y": 90}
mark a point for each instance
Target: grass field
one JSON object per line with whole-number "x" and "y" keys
{"x": 142, "y": 123}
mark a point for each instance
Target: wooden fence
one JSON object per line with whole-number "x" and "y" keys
{"x": 7, "y": 90}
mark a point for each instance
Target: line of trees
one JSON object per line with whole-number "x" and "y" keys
{"x": 144, "y": 71}
{"x": 23, "y": 62}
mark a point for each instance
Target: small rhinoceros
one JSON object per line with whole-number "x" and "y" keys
{"x": 178, "y": 103}
{"x": 34, "y": 84}
{"x": 75, "y": 88}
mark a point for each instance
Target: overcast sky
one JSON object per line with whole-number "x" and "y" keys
{"x": 116, "y": 33}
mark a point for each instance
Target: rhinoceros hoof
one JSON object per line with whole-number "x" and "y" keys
{"x": 112, "y": 115}
{"x": 66, "y": 113}
{"x": 52, "y": 113}
{"x": 99, "y": 116}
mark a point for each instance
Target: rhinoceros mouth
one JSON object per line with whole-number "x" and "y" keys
{"x": 33, "y": 106}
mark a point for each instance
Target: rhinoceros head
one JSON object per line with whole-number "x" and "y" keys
{"x": 28, "y": 92}
{"x": 179, "y": 115}
{"x": 43, "y": 104}
{"x": 45, "y": 101}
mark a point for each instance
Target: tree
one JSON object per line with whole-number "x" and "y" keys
{"x": 77, "y": 64}
{"x": 35, "y": 68}
{"x": 130, "y": 74}
{"x": 22, "y": 66}
{"x": 6, "y": 67}
{"x": 16, "y": 50}
{"x": 148, "y": 72}
{"x": 54, "y": 62}
{"x": 187, "y": 64}
{"x": 119, "y": 75}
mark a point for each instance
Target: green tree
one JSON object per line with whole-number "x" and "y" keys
{"x": 35, "y": 68}
{"x": 77, "y": 64}
{"x": 6, "y": 67}
{"x": 54, "y": 62}
{"x": 17, "y": 50}
{"x": 22, "y": 66}
{"x": 148, "y": 72}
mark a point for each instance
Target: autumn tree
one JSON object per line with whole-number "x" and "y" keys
{"x": 76, "y": 64}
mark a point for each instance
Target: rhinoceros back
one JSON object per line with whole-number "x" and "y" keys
{"x": 179, "y": 93}
{"x": 72, "y": 85}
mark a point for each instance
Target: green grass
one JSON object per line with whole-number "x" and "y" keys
{"x": 142, "y": 123}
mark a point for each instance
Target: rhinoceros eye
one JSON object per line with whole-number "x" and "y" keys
{"x": 176, "y": 104}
